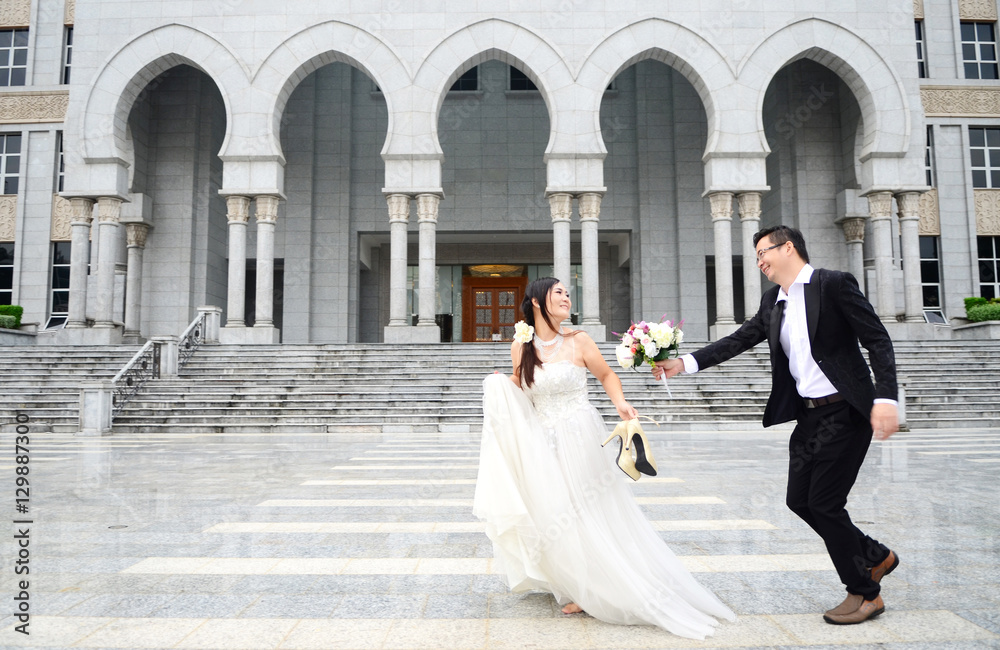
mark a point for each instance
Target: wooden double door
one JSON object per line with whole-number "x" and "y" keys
{"x": 491, "y": 307}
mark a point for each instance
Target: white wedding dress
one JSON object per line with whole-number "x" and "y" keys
{"x": 562, "y": 516}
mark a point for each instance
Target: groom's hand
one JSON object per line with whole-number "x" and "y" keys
{"x": 885, "y": 420}
{"x": 668, "y": 367}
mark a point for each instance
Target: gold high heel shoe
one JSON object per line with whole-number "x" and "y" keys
{"x": 625, "y": 461}
{"x": 644, "y": 461}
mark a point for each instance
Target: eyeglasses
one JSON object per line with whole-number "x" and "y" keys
{"x": 760, "y": 253}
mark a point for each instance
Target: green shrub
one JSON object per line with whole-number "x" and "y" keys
{"x": 12, "y": 310}
{"x": 980, "y": 313}
{"x": 974, "y": 302}
{"x": 8, "y": 322}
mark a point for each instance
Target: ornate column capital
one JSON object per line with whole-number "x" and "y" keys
{"x": 909, "y": 205}
{"x": 930, "y": 214}
{"x": 854, "y": 229}
{"x": 399, "y": 207}
{"x": 135, "y": 234}
{"x": 590, "y": 206}
{"x": 722, "y": 205}
{"x": 8, "y": 217}
{"x": 83, "y": 210}
{"x": 267, "y": 209}
{"x": 880, "y": 205}
{"x": 109, "y": 209}
{"x": 427, "y": 208}
{"x": 561, "y": 206}
{"x": 15, "y": 13}
{"x": 238, "y": 209}
{"x": 749, "y": 203}
{"x": 987, "y": 212}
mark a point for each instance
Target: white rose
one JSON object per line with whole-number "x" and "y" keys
{"x": 627, "y": 340}
{"x": 625, "y": 356}
{"x": 662, "y": 334}
{"x": 523, "y": 332}
{"x": 678, "y": 335}
{"x": 651, "y": 348}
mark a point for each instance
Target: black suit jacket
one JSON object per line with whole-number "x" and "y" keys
{"x": 838, "y": 316}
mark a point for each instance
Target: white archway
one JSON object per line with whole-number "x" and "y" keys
{"x": 698, "y": 60}
{"x": 471, "y": 45}
{"x": 128, "y": 72}
{"x": 876, "y": 87}
{"x": 300, "y": 55}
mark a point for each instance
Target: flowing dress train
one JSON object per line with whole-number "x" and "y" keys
{"x": 561, "y": 516}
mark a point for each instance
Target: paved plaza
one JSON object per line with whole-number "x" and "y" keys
{"x": 365, "y": 540}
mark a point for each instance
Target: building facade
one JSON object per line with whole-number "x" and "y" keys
{"x": 370, "y": 171}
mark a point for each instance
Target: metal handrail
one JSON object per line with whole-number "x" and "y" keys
{"x": 145, "y": 365}
{"x": 191, "y": 339}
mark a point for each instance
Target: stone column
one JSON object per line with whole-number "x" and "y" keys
{"x": 749, "y": 203}
{"x": 267, "y": 216}
{"x": 109, "y": 213}
{"x": 399, "y": 216}
{"x": 83, "y": 213}
{"x": 561, "y": 207}
{"x": 135, "y": 237}
{"x": 854, "y": 234}
{"x": 880, "y": 210}
{"x": 590, "y": 212}
{"x": 722, "y": 214}
{"x": 238, "y": 214}
{"x": 909, "y": 234}
{"x": 427, "y": 215}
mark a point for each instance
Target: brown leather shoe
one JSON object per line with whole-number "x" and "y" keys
{"x": 850, "y": 604}
{"x": 885, "y": 567}
{"x": 868, "y": 609}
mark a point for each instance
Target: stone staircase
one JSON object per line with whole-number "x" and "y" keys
{"x": 43, "y": 382}
{"x": 381, "y": 388}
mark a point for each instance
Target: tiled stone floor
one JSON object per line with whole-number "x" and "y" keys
{"x": 368, "y": 541}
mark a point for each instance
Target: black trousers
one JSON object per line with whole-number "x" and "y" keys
{"x": 826, "y": 450}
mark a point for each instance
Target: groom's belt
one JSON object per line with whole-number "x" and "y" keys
{"x": 813, "y": 402}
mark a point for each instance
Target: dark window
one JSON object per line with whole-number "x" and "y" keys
{"x": 520, "y": 81}
{"x": 10, "y": 161}
{"x": 13, "y": 57}
{"x": 928, "y": 157}
{"x": 979, "y": 51}
{"x": 6, "y": 272}
{"x": 989, "y": 266}
{"x": 67, "y": 55}
{"x": 984, "y": 156}
{"x": 921, "y": 53}
{"x": 62, "y": 163}
{"x": 930, "y": 272}
{"x": 60, "y": 277}
{"x": 468, "y": 81}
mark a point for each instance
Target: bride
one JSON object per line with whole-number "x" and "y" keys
{"x": 559, "y": 512}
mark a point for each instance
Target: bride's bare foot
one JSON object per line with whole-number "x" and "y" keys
{"x": 572, "y": 608}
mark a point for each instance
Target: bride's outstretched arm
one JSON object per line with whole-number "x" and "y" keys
{"x": 596, "y": 364}
{"x": 515, "y": 360}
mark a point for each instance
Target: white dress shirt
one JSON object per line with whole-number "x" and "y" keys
{"x": 794, "y": 337}
{"x": 809, "y": 379}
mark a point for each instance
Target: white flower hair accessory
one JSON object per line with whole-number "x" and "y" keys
{"x": 523, "y": 333}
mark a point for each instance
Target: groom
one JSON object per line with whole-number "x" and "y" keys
{"x": 813, "y": 321}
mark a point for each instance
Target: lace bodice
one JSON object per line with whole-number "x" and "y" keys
{"x": 559, "y": 390}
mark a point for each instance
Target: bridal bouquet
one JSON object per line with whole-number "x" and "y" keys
{"x": 646, "y": 343}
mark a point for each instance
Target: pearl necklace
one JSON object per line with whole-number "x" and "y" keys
{"x": 547, "y": 350}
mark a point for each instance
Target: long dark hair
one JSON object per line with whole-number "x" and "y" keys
{"x": 539, "y": 290}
